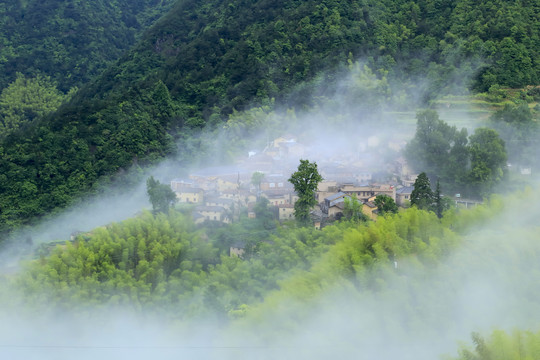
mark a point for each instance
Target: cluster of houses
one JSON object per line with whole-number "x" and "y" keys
{"x": 219, "y": 194}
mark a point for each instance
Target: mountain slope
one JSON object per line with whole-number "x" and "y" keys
{"x": 205, "y": 59}
{"x": 71, "y": 41}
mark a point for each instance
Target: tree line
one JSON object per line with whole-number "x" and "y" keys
{"x": 472, "y": 165}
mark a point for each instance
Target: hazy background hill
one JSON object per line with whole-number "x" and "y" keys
{"x": 204, "y": 60}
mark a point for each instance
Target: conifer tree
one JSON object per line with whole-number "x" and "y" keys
{"x": 422, "y": 195}
{"x": 438, "y": 203}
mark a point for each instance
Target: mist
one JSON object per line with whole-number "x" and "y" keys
{"x": 419, "y": 313}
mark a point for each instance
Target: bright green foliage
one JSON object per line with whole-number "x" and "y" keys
{"x": 501, "y": 345}
{"x": 488, "y": 159}
{"x": 27, "y": 99}
{"x": 422, "y": 195}
{"x": 353, "y": 209}
{"x": 160, "y": 195}
{"x": 385, "y": 204}
{"x": 162, "y": 264}
{"x": 305, "y": 181}
{"x": 129, "y": 264}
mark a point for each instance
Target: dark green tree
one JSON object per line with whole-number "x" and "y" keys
{"x": 160, "y": 195}
{"x": 441, "y": 203}
{"x": 438, "y": 149}
{"x": 488, "y": 160}
{"x": 305, "y": 182}
{"x": 385, "y": 204}
{"x": 263, "y": 213}
{"x": 422, "y": 195}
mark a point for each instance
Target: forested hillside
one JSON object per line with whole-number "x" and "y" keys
{"x": 205, "y": 60}
{"x": 69, "y": 41}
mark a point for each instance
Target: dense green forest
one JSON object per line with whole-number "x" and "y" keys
{"x": 204, "y": 61}
{"x": 70, "y": 41}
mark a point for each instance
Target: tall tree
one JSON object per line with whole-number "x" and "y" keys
{"x": 160, "y": 195}
{"x": 438, "y": 205}
{"x": 256, "y": 179}
{"x": 488, "y": 160}
{"x": 438, "y": 148}
{"x": 305, "y": 181}
{"x": 422, "y": 195}
{"x": 264, "y": 214}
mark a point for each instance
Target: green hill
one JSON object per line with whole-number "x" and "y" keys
{"x": 70, "y": 41}
{"x": 203, "y": 60}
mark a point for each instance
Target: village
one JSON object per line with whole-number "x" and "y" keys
{"x": 218, "y": 194}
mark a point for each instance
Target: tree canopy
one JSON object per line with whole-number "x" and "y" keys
{"x": 25, "y": 100}
{"x": 488, "y": 159}
{"x": 305, "y": 181}
{"x": 160, "y": 195}
{"x": 385, "y": 204}
{"x": 472, "y": 166}
{"x": 422, "y": 195}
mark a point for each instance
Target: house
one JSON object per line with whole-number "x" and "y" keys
{"x": 219, "y": 201}
{"x": 177, "y": 184}
{"x": 237, "y": 249}
{"x": 364, "y": 192}
{"x": 285, "y": 212}
{"x": 403, "y": 195}
{"x": 215, "y": 213}
{"x": 283, "y": 146}
{"x": 370, "y": 209}
{"x": 189, "y": 195}
{"x": 325, "y": 188}
{"x": 279, "y": 197}
{"x": 275, "y": 181}
{"x": 333, "y": 205}
{"x": 228, "y": 182}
